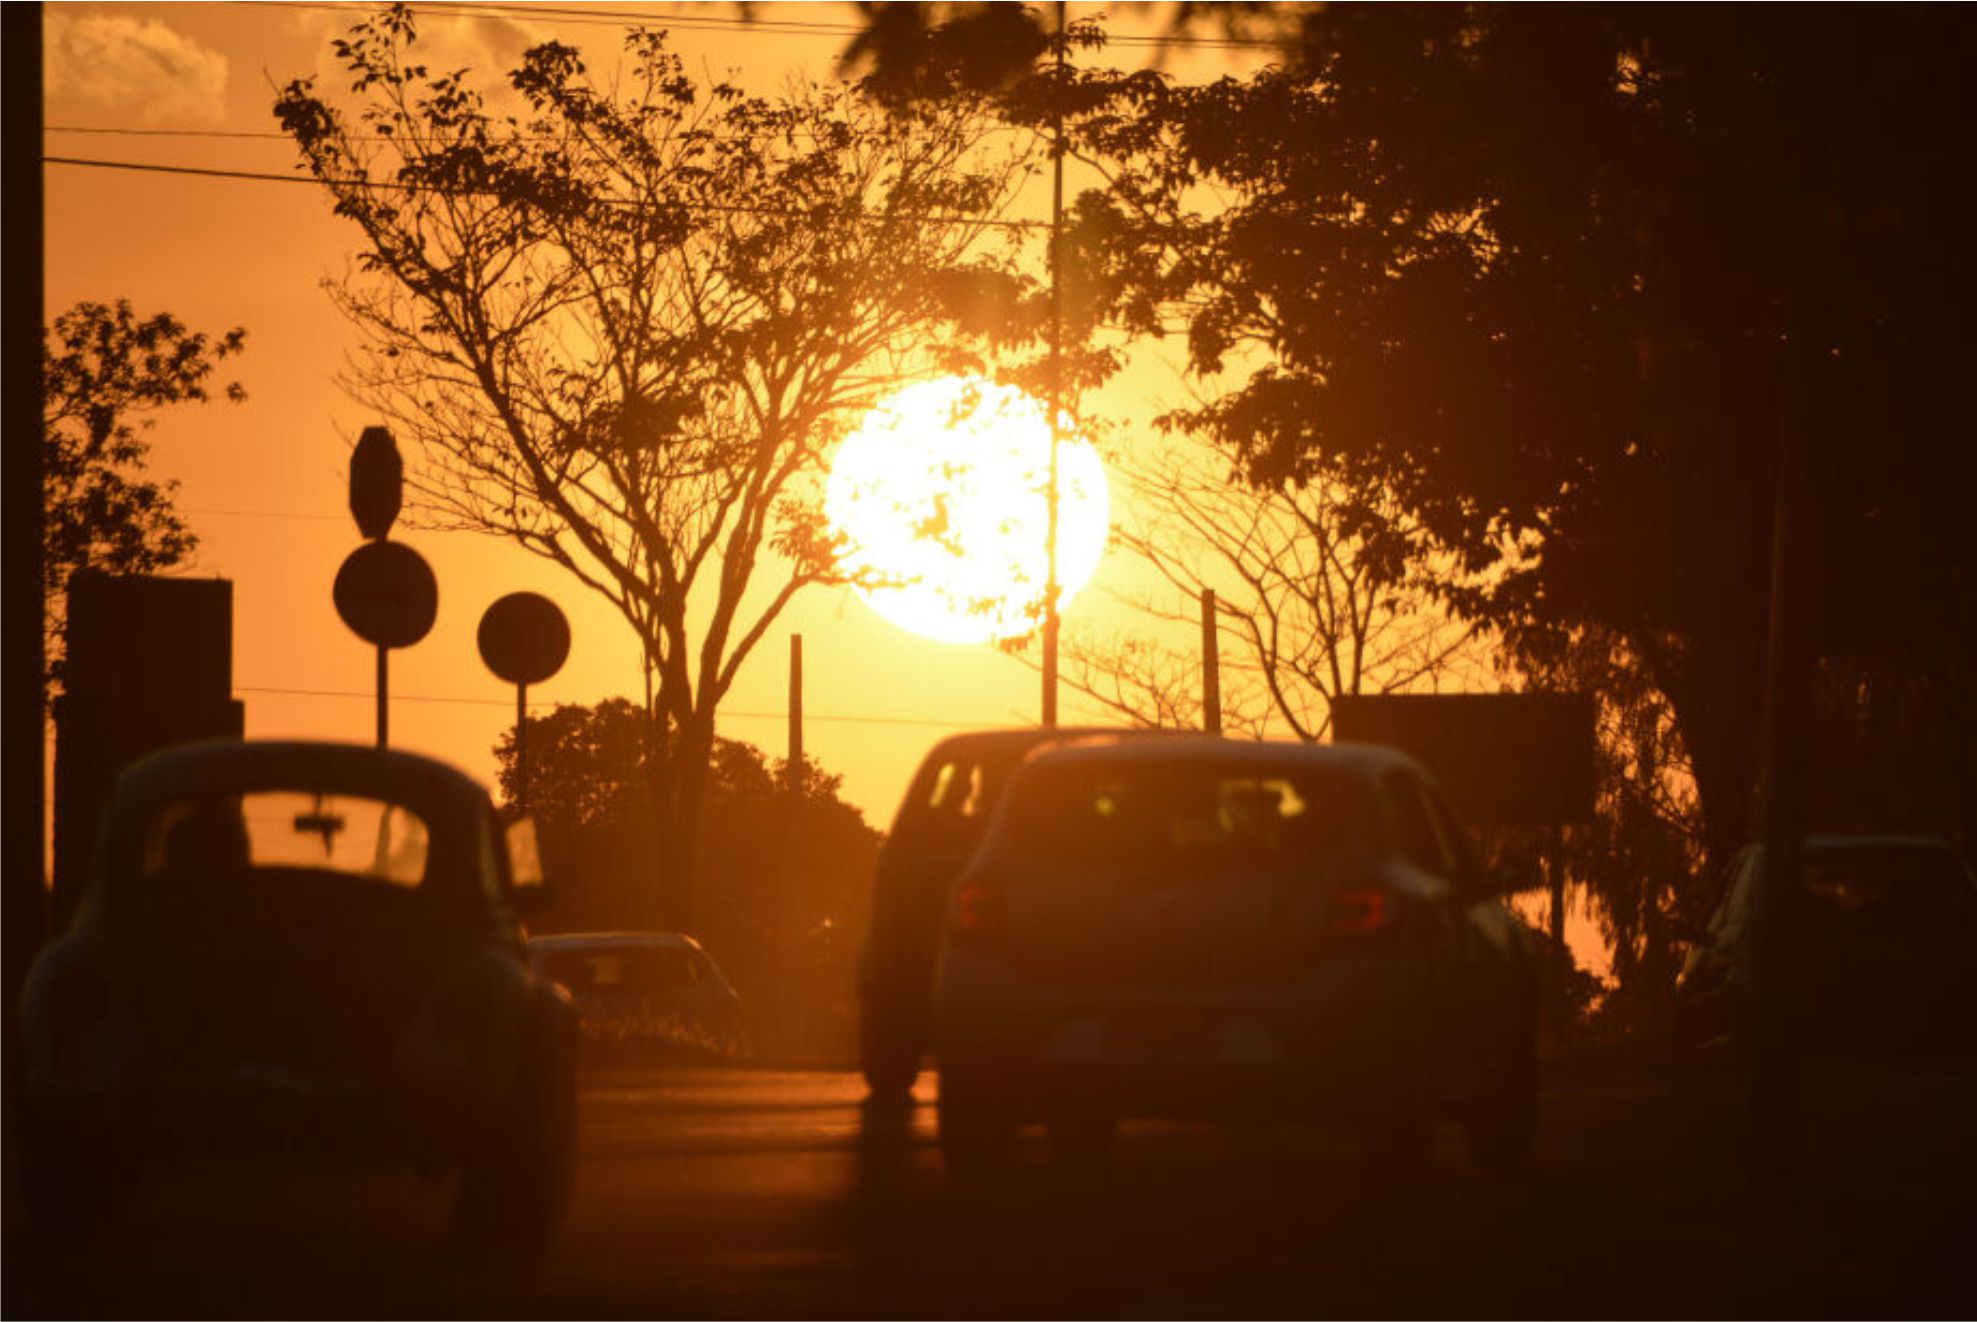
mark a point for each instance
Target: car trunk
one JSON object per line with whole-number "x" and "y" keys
{"x": 281, "y": 972}
{"x": 1163, "y": 927}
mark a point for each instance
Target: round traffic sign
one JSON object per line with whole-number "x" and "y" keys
{"x": 524, "y": 638}
{"x": 386, "y": 593}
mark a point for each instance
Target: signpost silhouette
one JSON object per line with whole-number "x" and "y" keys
{"x": 524, "y": 639}
{"x": 385, "y": 591}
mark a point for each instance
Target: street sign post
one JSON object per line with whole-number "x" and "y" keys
{"x": 384, "y": 591}
{"x": 524, "y": 639}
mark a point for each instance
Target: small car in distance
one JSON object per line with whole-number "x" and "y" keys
{"x": 302, "y": 947}
{"x": 1886, "y": 954}
{"x": 1198, "y": 928}
{"x": 644, "y": 994}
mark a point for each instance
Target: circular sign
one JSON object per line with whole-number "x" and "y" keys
{"x": 386, "y": 593}
{"x": 524, "y": 638}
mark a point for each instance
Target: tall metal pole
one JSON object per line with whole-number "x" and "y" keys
{"x": 1787, "y": 709}
{"x": 23, "y": 884}
{"x": 522, "y": 748}
{"x": 1050, "y": 586}
{"x": 795, "y": 765}
{"x": 1211, "y": 666}
{"x": 384, "y": 696}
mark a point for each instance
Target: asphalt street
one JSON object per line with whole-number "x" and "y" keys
{"x": 745, "y": 1192}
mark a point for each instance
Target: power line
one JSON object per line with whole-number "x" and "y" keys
{"x": 757, "y": 26}
{"x": 738, "y": 209}
{"x": 845, "y": 718}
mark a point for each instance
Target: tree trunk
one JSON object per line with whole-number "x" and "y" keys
{"x": 678, "y": 781}
{"x": 1716, "y": 688}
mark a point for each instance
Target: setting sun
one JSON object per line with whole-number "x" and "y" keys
{"x": 940, "y": 494}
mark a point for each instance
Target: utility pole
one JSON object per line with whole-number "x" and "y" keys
{"x": 23, "y": 885}
{"x": 1211, "y": 666}
{"x": 1787, "y": 709}
{"x": 1050, "y": 585}
{"x": 794, "y": 769}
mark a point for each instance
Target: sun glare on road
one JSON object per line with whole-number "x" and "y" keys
{"x": 941, "y": 496}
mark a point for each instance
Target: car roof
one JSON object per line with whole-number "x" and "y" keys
{"x": 1359, "y": 759}
{"x": 559, "y": 942}
{"x": 1016, "y": 738}
{"x": 230, "y": 765}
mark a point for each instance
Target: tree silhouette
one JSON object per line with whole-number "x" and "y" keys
{"x": 1309, "y": 605}
{"x": 794, "y": 869}
{"x": 1565, "y": 280}
{"x": 624, "y": 323}
{"x": 104, "y": 370}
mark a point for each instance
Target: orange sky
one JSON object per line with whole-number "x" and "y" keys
{"x": 263, "y": 484}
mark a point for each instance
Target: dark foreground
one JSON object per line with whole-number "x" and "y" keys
{"x": 750, "y": 1193}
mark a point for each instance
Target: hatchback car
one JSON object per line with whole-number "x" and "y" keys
{"x": 947, "y": 807}
{"x": 1202, "y": 928}
{"x": 1886, "y": 954}
{"x": 641, "y": 995}
{"x": 302, "y": 946}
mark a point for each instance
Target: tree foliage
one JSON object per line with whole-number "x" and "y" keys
{"x": 624, "y": 320}
{"x": 105, "y": 370}
{"x": 1306, "y": 610}
{"x": 1564, "y": 280}
{"x": 787, "y": 873}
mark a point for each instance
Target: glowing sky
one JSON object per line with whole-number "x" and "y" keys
{"x": 263, "y": 483}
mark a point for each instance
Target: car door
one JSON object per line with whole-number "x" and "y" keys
{"x": 1465, "y": 958}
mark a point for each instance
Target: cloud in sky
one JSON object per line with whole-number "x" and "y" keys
{"x": 135, "y": 68}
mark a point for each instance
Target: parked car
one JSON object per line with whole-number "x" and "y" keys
{"x": 1210, "y": 929}
{"x": 947, "y": 807}
{"x": 1886, "y": 953}
{"x": 302, "y": 946}
{"x": 644, "y": 994}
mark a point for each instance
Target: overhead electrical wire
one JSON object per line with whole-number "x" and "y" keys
{"x": 740, "y": 26}
{"x": 808, "y": 715}
{"x": 718, "y": 208}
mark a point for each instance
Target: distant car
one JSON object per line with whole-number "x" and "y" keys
{"x": 1886, "y": 956}
{"x": 641, "y": 994}
{"x": 302, "y": 946}
{"x": 947, "y": 807}
{"x": 1200, "y": 928}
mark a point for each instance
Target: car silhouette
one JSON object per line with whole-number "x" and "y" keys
{"x": 940, "y": 821}
{"x": 1199, "y": 928}
{"x": 1885, "y": 954}
{"x": 644, "y": 995}
{"x": 302, "y": 946}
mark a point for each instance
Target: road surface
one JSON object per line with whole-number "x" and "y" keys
{"x": 717, "y": 1193}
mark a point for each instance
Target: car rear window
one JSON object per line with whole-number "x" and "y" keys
{"x": 366, "y": 838}
{"x": 625, "y": 969}
{"x": 1141, "y": 814}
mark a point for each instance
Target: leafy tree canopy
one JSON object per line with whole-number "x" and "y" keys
{"x": 1561, "y": 281}
{"x": 105, "y": 370}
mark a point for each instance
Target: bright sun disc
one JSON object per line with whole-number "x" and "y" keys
{"x": 941, "y": 498}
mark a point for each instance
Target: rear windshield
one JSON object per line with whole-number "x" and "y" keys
{"x": 366, "y": 838}
{"x": 1141, "y": 814}
{"x": 948, "y": 806}
{"x": 626, "y": 969}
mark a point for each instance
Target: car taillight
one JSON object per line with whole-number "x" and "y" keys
{"x": 1359, "y": 912}
{"x": 977, "y": 912}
